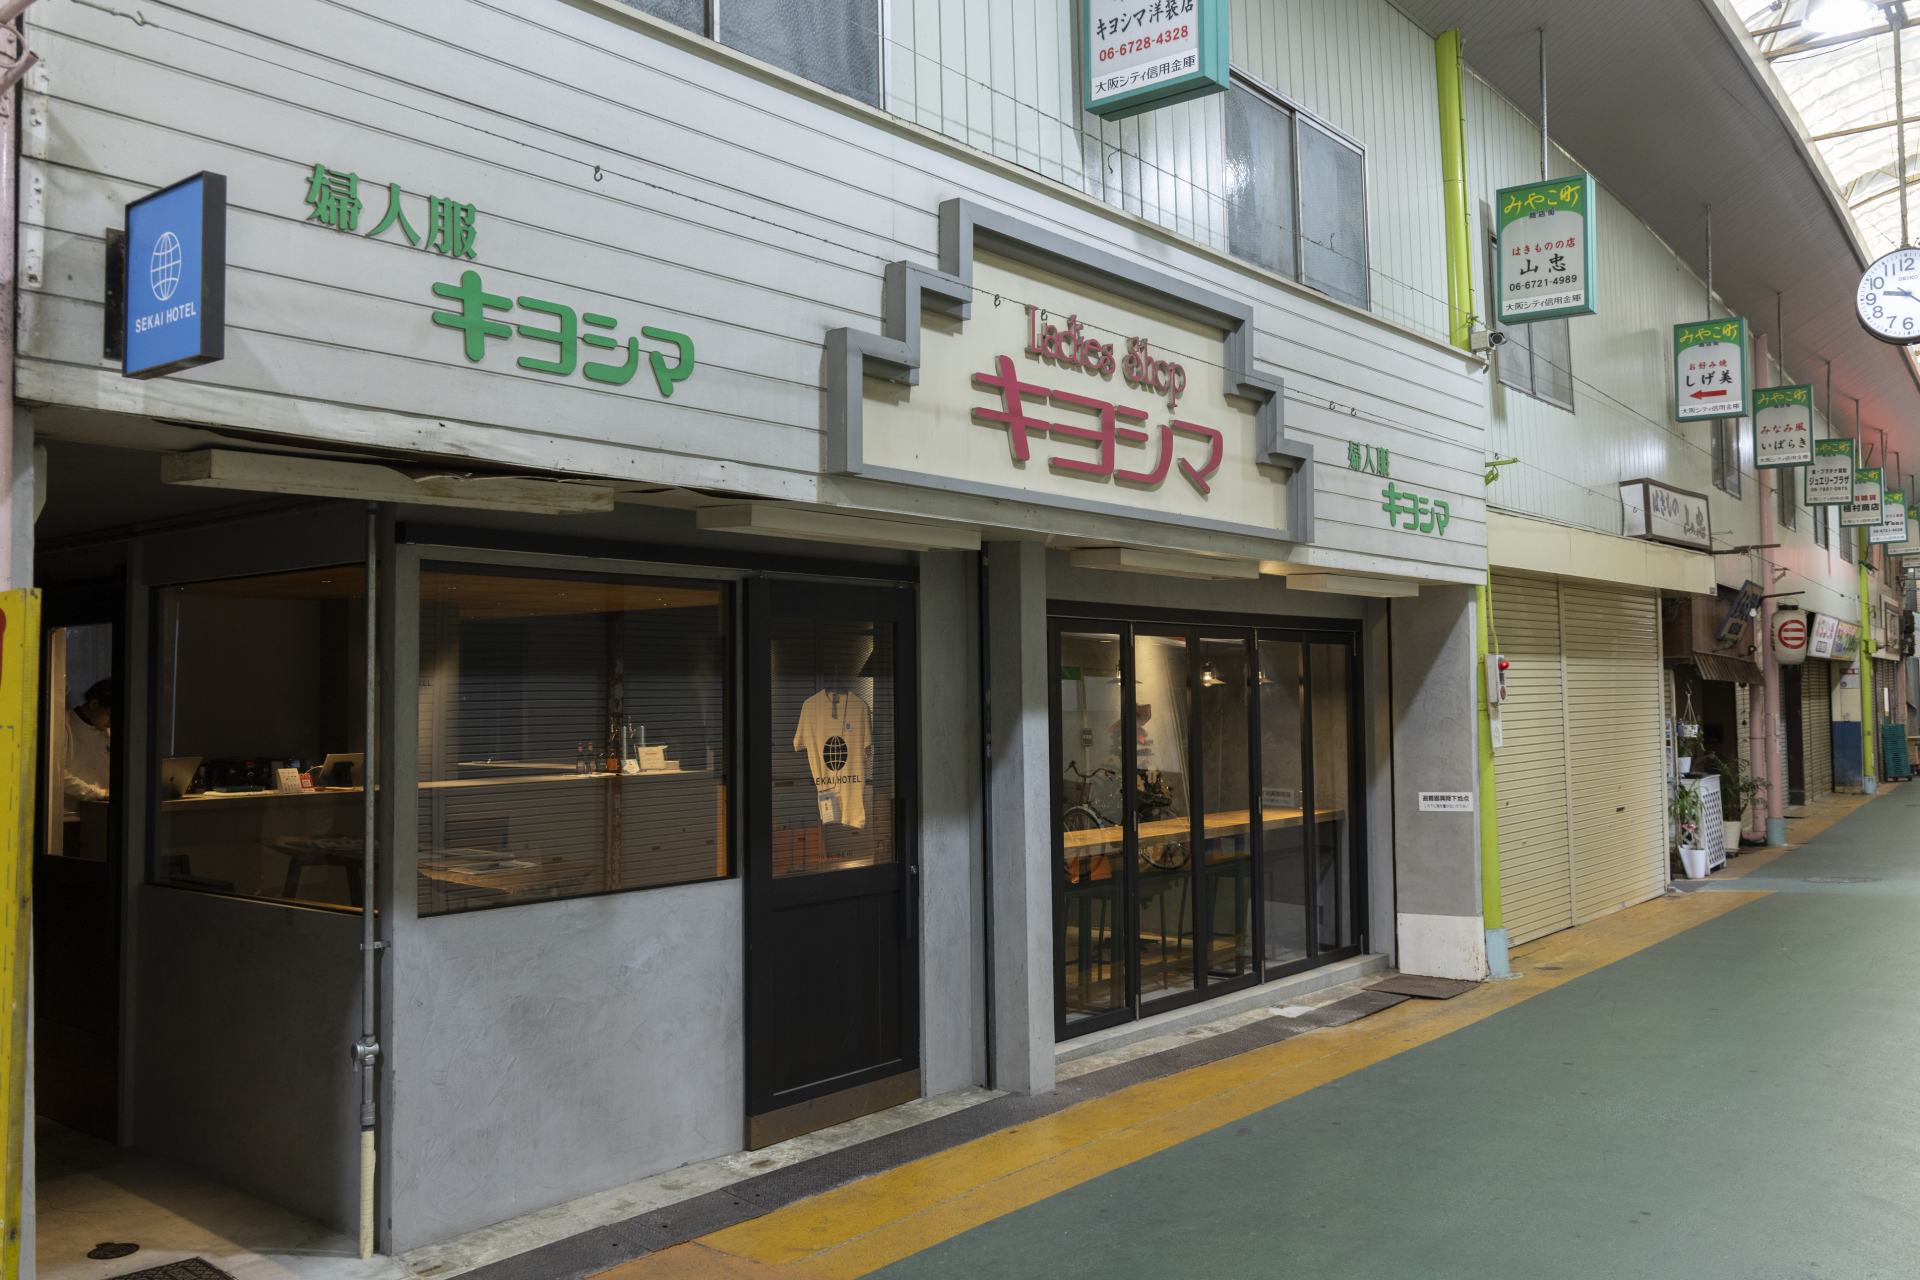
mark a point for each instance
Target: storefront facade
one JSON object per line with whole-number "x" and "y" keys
{"x": 823, "y": 653}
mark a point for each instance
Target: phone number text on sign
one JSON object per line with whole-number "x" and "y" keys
{"x": 1128, "y": 47}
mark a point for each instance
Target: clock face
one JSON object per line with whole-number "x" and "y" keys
{"x": 1889, "y": 300}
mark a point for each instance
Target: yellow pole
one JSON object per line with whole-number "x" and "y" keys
{"x": 1453, "y": 170}
{"x": 19, "y": 690}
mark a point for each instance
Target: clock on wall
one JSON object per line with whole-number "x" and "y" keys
{"x": 1888, "y": 303}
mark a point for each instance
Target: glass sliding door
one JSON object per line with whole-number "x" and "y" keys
{"x": 1089, "y": 764}
{"x": 1283, "y": 827}
{"x": 1330, "y": 677}
{"x": 1227, "y": 808}
{"x": 1206, "y": 815}
{"x": 1163, "y": 812}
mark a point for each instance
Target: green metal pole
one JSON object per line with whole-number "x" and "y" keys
{"x": 1453, "y": 170}
{"x": 1869, "y": 775}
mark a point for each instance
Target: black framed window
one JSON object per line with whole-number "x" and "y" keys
{"x": 576, "y": 735}
{"x": 1534, "y": 359}
{"x": 1207, "y": 809}
{"x": 259, "y": 727}
{"x": 1787, "y": 499}
{"x": 1821, "y": 535}
{"x": 835, "y": 43}
{"x": 1726, "y": 454}
{"x": 1296, "y": 195}
{"x": 1846, "y": 536}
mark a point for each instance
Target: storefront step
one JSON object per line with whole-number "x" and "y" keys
{"x": 1280, "y": 992}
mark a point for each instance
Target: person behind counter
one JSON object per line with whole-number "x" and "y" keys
{"x": 86, "y": 763}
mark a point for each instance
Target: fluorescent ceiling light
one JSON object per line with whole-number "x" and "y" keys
{"x": 1839, "y": 17}
{"x": 815, "y": 525}
{"x": 370, "y": 482}
{"x": 1172, "y": 564}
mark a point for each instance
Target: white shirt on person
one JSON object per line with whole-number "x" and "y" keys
{"x": 86, "y": 764}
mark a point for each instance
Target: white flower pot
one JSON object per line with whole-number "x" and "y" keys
{"x": 1733, "y": 826}
{"x": 1686, "y": 765}
{"x": 1695, "y": 861}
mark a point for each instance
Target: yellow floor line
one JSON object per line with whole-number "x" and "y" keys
{"x": 857, "y": 1229}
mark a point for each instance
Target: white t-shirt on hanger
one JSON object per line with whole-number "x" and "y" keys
{"x": 836, "y": 732}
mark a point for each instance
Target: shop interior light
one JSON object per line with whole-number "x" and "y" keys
{"x": 1209, "y": 678}
{"x": 1842, "y": 17}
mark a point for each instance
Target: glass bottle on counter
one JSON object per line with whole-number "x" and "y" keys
{"x": 580, "y": 757}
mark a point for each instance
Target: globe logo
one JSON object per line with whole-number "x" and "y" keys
{"x": 834, "y": 752}
{"x": 163, "y": 268}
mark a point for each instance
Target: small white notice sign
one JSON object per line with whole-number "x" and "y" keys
{"x": 1446, "y": 802}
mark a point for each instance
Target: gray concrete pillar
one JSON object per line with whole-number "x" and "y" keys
{"x": 1022, "y": 904}
{"x": 1436, "y": 854}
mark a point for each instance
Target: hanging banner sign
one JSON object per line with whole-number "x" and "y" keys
{"x": 1710, "y": 370}
{"x": 1791, "y": 635}
{"x": 1910, "y": 546}
{"x": 1545, "y": 259}
{"x": 1830, "y": 478}
{"x": 1864, "y": 511}
{"x": 1892, "y": 529}
{"x": 1783, "y": 426}
{"x": 1140, "y": 55}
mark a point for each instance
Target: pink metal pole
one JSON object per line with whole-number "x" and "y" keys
{"x": 1764, "y": 740}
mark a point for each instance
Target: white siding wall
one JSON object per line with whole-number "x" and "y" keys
{"x": 624, "y": 168}
{"x": 1002, "y": 76}
{"x": 1621, "y": 426}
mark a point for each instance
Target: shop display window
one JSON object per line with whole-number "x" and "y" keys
{"x": 258, "y": 785}
{"x": 575, "y": 736}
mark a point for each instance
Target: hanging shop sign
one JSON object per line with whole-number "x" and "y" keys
{"x": 1661, "y": 513}
{"x": 1825, "y": 636}
{"x": 1139, "y": 55}
{"x": 1830, "y": 478}
{"x": 1070, "y": 378}
{"x": 1710, "y": 376}
{"x": 1863, "y": 511}
{"x": 1783, "y": 426}
{"x": 1791, "y": 635}
{"x": 1740, "y": 614}
{"x": 1910, "y": 544}
{"x": 1892, "y": 529}
{"x": 1545, "y": 256}
{"x": 1846, "y": 641}
{"x": 1888, "y": 300}
{"x": 175, "y": 278}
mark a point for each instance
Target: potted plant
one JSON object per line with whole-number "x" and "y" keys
{"x": 1686, "y": 821}
{"x": 1689, "y": 746}
{"x": 1739, "y": 792}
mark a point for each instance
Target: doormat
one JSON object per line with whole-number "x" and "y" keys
{"x": 1407, "y": 984}
{"x": 185, "y": 1269}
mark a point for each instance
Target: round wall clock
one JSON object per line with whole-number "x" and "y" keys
{"x": 1889, "y": 299}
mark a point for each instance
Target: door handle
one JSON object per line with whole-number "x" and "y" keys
{"x": 909, "y": 900}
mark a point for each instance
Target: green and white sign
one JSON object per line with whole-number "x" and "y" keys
{"x": 1545, "y": 258}
{"x": 1139, "y": 55}
{"x": 1783, "y": 426}
{"x": 1864, "y": 511}
{"x": 1892, "y": 529}
{"x": 1710, "y": 376}
{"x": 1910, "y": 545}
{"x": 1830, "y": 478}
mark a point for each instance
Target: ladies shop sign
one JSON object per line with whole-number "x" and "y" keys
{"x": 1830, "y": 478}
{"x": 1059, "y": 389}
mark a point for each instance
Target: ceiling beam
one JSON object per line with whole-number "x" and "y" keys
{"x": 1834, "y": 42}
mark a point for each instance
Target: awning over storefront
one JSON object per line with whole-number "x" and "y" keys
{"x": 1712, "y": 634}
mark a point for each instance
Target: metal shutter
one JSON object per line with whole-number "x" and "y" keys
{"x": 1536, "y": 866}
{"x": 1617, "y": 782}
{"x": 1816, "y": 728}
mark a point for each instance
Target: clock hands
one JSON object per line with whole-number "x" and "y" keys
{"x": 1897, "y": 293}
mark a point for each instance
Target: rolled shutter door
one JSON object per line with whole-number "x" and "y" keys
{"x": 1816, "y": 725}
{"x": 1616, "y": 783}
{"x": 1536, "y": 872}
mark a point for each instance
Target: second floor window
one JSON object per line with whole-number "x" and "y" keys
{"x": 1534, "y": 359}
{"x": 835, "y": 43}
{"x": 1726, "y": 455}
{"x": 1296, "y": 196}
{"x": 1820, "y": 518}
{"x": 1786, "y": 487}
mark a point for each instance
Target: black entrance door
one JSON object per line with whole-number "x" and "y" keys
{"x": 1790, "y": 693}
{"x": 832, "y": 977}
{"x": 78, "y": 856}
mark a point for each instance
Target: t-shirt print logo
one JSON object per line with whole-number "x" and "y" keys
{"x": 834, "y": 752}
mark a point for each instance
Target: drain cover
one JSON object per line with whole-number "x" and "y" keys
{"x": 107, "y": 1251}
{"x": 1843, "y": 879}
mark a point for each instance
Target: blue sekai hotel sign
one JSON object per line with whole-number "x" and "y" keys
{"x": 176, "y": 278}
